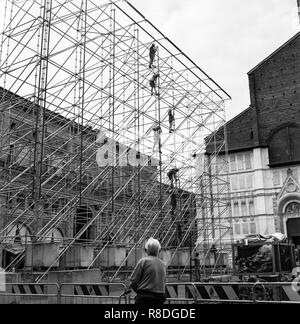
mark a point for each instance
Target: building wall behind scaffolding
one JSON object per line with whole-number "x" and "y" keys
{"x": 81, "y": 160}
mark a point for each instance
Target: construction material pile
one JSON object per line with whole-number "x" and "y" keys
{"x": 255, "y": 253}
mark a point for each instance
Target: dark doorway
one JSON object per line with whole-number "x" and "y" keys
{"x": 82, "y": 217}
{"x": 296, "y": 240}
{"x": 293, "y": 230}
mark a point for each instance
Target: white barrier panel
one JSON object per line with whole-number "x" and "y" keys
{"x": 2, "y": 280}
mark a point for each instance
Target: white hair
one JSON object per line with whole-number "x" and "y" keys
{"x": 152, "y": 247}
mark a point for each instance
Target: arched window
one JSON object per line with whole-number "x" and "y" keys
{"x": 284, "y": 145}
{"x": 55, "y": 236}
{"x": 293, "y": 208}
{"x": 17, "y": 234}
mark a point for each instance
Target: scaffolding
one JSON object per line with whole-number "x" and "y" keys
{"x": 92, "y": 127}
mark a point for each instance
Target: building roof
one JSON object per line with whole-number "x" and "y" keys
{"x": 274, "y": 53}
{"x": 244, "y": 130}
{"x": 241, "y": 114}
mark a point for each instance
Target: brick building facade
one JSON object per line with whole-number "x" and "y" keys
{"x": 264, "y": 149}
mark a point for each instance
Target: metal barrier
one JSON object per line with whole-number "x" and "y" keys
{"x": 247, "y": 292}
{"x": 277, "y": 291}
{"x": 228, "y": 292}
{"x": 30, "y": 293}
{"x": 100, "y": 293}
{"x": 177, "y": 293}
{"x": 208, "y": 293}
{"x": 181, "y": 293}
{"x": 232, "y": 293}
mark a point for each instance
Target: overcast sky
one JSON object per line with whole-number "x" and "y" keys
{"x": 226, "y": 38}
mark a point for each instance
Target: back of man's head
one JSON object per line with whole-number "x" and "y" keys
{"x": 152, "y": 247}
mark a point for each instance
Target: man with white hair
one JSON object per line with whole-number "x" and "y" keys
{"x": 149, "y": 277}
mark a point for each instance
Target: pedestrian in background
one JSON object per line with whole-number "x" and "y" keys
{"x": 197, "y": 267}
{"x": 149, "y": 277}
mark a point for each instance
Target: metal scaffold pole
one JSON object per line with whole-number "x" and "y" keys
{"x": 41, "y": 98}
{"x": 112, "y": 102}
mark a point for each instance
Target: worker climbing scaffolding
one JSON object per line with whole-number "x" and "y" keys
{"x": 153, "y": 84}
{"x": 157, "y": 138}
{"x": 152, "y": 53}
{"x": 173, "y": 176}
{"x": 171, "y": 120}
